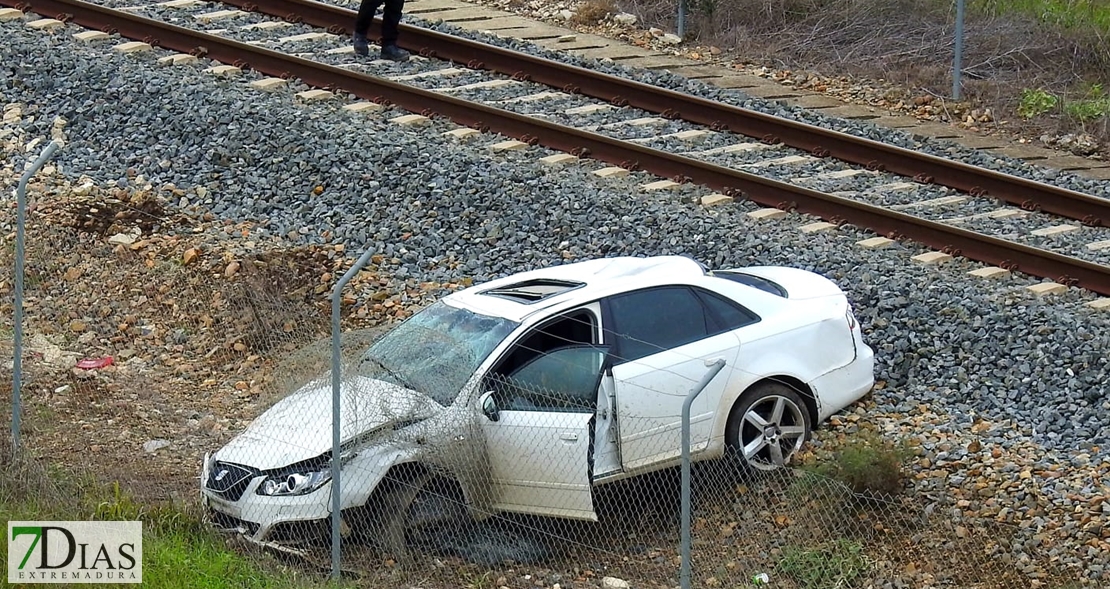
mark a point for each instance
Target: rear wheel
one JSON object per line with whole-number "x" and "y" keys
{"x": 767, "y": 426}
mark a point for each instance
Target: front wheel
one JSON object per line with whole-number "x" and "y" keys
{"x": 767, "y": 426}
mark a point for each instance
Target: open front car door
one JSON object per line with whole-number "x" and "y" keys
{"x": 538, "y": 429}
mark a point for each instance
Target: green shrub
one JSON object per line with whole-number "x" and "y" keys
{"x": 867, "y": 464}
{"x": 839, "y": 563}
{"x": 1035, "y": 103}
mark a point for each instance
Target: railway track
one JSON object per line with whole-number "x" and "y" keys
{"x": 791, "y": 166}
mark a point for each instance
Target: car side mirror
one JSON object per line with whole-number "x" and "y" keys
{"x": 489, "y": 406}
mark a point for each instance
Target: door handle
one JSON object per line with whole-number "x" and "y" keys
{"x": 569, "y": 436}
{"x": 711, "y": 361}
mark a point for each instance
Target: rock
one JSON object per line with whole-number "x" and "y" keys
{"x": 154, "y": 445}
{"x": 671, "y": 39}
{"x": 121, "y": 239}
{"x": 625, "y": 19}
{"x": 614, "y": 583}
{"x": 190, "y": 256}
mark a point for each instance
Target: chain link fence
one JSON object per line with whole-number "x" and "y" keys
{"x": 157, "y": 338}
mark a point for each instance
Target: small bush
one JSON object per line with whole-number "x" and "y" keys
{"x": 592, "y": 12}
{"x": 1095, "y": 104}
{"x": 839, "y": 563}
{"x": 1035, "y": 103}
{"x": 868, "y": 465}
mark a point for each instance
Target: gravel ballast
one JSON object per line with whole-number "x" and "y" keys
{"x": 441, "y": 211}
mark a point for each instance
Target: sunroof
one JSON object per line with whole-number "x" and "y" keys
{"x": 531, "y": 291}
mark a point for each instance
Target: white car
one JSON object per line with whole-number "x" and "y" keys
{"x": 525, "y": 393}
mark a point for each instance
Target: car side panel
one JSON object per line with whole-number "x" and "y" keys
{"x": 804, "y": 353}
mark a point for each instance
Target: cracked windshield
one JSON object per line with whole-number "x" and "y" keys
{"x": 436, "y": 350}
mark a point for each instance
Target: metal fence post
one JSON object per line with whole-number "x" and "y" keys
{"x": 714, "y": 368}
{"x": 681, "y": 25}
{"x": 336, "y": 503}
{"x": 17, "y": 321}
{"x": 957, "y": 64}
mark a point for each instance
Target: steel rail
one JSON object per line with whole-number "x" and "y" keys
{"x": 922, "y": 167}
{"x": 1037, "y": 262}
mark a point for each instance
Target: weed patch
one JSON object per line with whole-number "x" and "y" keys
{"x": 179, "y": 550}
{"x": 593, "y": 11}
{"x": 839, "y": 563}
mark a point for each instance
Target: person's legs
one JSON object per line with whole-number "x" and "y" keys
{"x": 362, "y": 25}
{"x": 391, "y": 18}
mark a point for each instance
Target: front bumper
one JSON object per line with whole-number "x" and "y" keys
{"x": 263, "y": 518}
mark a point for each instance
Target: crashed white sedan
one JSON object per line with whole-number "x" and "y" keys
{"x": 525, "y": 393}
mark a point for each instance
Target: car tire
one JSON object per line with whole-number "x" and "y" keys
{"x": 414, "y": 510}
{"x": 767, "y": 426}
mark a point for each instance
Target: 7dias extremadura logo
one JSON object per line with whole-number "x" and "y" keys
{"x": 75, "y": 552}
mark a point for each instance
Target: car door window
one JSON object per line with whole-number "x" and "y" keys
{"x": 565, "y": 379}
{"x": 650, "y": 321}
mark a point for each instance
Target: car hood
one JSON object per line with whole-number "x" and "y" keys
{"x": 299, "y": 427}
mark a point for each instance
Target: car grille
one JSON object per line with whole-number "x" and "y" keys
{"x": 229, "y": 480}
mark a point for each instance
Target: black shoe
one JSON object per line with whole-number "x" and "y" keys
{"x": 362, "y": 46}
{"x": 394, "y": 53}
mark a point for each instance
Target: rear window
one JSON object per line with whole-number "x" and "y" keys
{"x": 754, "y": 282}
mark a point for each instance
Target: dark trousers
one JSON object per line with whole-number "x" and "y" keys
{"x": 390, "y": 18}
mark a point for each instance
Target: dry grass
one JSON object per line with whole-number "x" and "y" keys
{"x": 911, "y": 43}
{"x": 592, "y": 12}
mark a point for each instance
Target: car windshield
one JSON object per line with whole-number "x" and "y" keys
{"x": 435, "y": 351}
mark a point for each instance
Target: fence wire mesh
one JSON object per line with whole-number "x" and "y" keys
{"x": 537, "y": 473}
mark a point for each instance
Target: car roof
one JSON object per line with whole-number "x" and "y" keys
{"x": 517, "y": 296}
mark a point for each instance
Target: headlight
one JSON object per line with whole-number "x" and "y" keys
{"x": 297, "y": 483}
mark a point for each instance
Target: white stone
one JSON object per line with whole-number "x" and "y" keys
{"x": 155, "y": 445}
{"x": 671, "y": 39}
{"x": 625, "y": 19}
{"x": 614, "y": 583}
